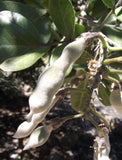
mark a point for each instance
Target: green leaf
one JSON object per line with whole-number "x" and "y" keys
{"x": 15, "y": 28}
{"x": 63, "y": 15}
{"x": 33, "y": 15}
{"x": 118, "y": 13}
{"x": 79, "y": 96}
{"x": 29, "y": 12}
{"x": 35, "y": 3}
{"x": 79, "y": 99}
{"x": 113, "y": 33}
{"x": 40, "y": 22}
{"x": 20, "y": 35}
{"x": 104, "y": 94}
{"x": 79, "y": 29}
{"x": 84, "y": 58}
{"x": 21, "y": 62}
{"x": 97, "y": 9}
{"x": 109, "y": 3}
{"x": 56, "y": 53}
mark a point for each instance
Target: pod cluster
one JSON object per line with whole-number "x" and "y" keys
{"x": 43, "y": 97}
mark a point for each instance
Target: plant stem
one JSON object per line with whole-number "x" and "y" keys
{"x": 111, "y": 79}
{"x": 64, "y": 119}
{"x": 102, "y": 38}
{"x": 57, "y": 122}
{"x": 112, "y": 60}
{"x": 88, "y": 116}
{"x": 116, "y": 71}
{"x": 115, "y": 48}
{"x": 100, "y": 116}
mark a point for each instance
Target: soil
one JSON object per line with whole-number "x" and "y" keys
{"x": 72, "y": 141}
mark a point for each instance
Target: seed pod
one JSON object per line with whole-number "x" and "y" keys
{"x": 48, "y": 84}
{"x": 38, "y": 137}
{"x": 52, "y": 78}
{"x": 116, "y": 100}
{"x": 27, "y": 127}
{"x": 24, "y": 129}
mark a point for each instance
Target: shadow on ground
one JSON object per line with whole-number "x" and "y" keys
{"x": 72, "y": 141}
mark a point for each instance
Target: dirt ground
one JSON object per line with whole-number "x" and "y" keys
{"x": 72, "y": 141}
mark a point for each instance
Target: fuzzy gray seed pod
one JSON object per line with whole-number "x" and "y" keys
{"x": 38, "y": 137}
{"x": 52, "y": 78}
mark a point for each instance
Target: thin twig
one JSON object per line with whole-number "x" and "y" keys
{"x": 100, "y": 116}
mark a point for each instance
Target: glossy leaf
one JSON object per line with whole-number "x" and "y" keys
{"x": 35, "y": 15}
{"x": 16, "y": 29}
{"x": 29, "y": 12}
{"x": 109, "y": 3}
{"x": 21, "y": 62}
{"x": 63, "y": 15}
{"x": 19, "y": 35}
{"x": 104, "y": 94}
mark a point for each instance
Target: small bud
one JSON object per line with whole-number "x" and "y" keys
{"x": 38, "y": 137}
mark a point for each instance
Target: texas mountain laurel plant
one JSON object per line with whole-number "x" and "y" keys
{"x": 86, "y": 67}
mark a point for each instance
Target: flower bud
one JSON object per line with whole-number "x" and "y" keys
{"x": 38, "y": 137}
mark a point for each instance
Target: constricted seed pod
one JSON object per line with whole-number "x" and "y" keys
{"x": 52, "y": 78}
{"x": 27, "y": 127}
{"x": 38, "y": 137}
{"x": 116, "y": 100}
{"x": 24, "y": 129}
